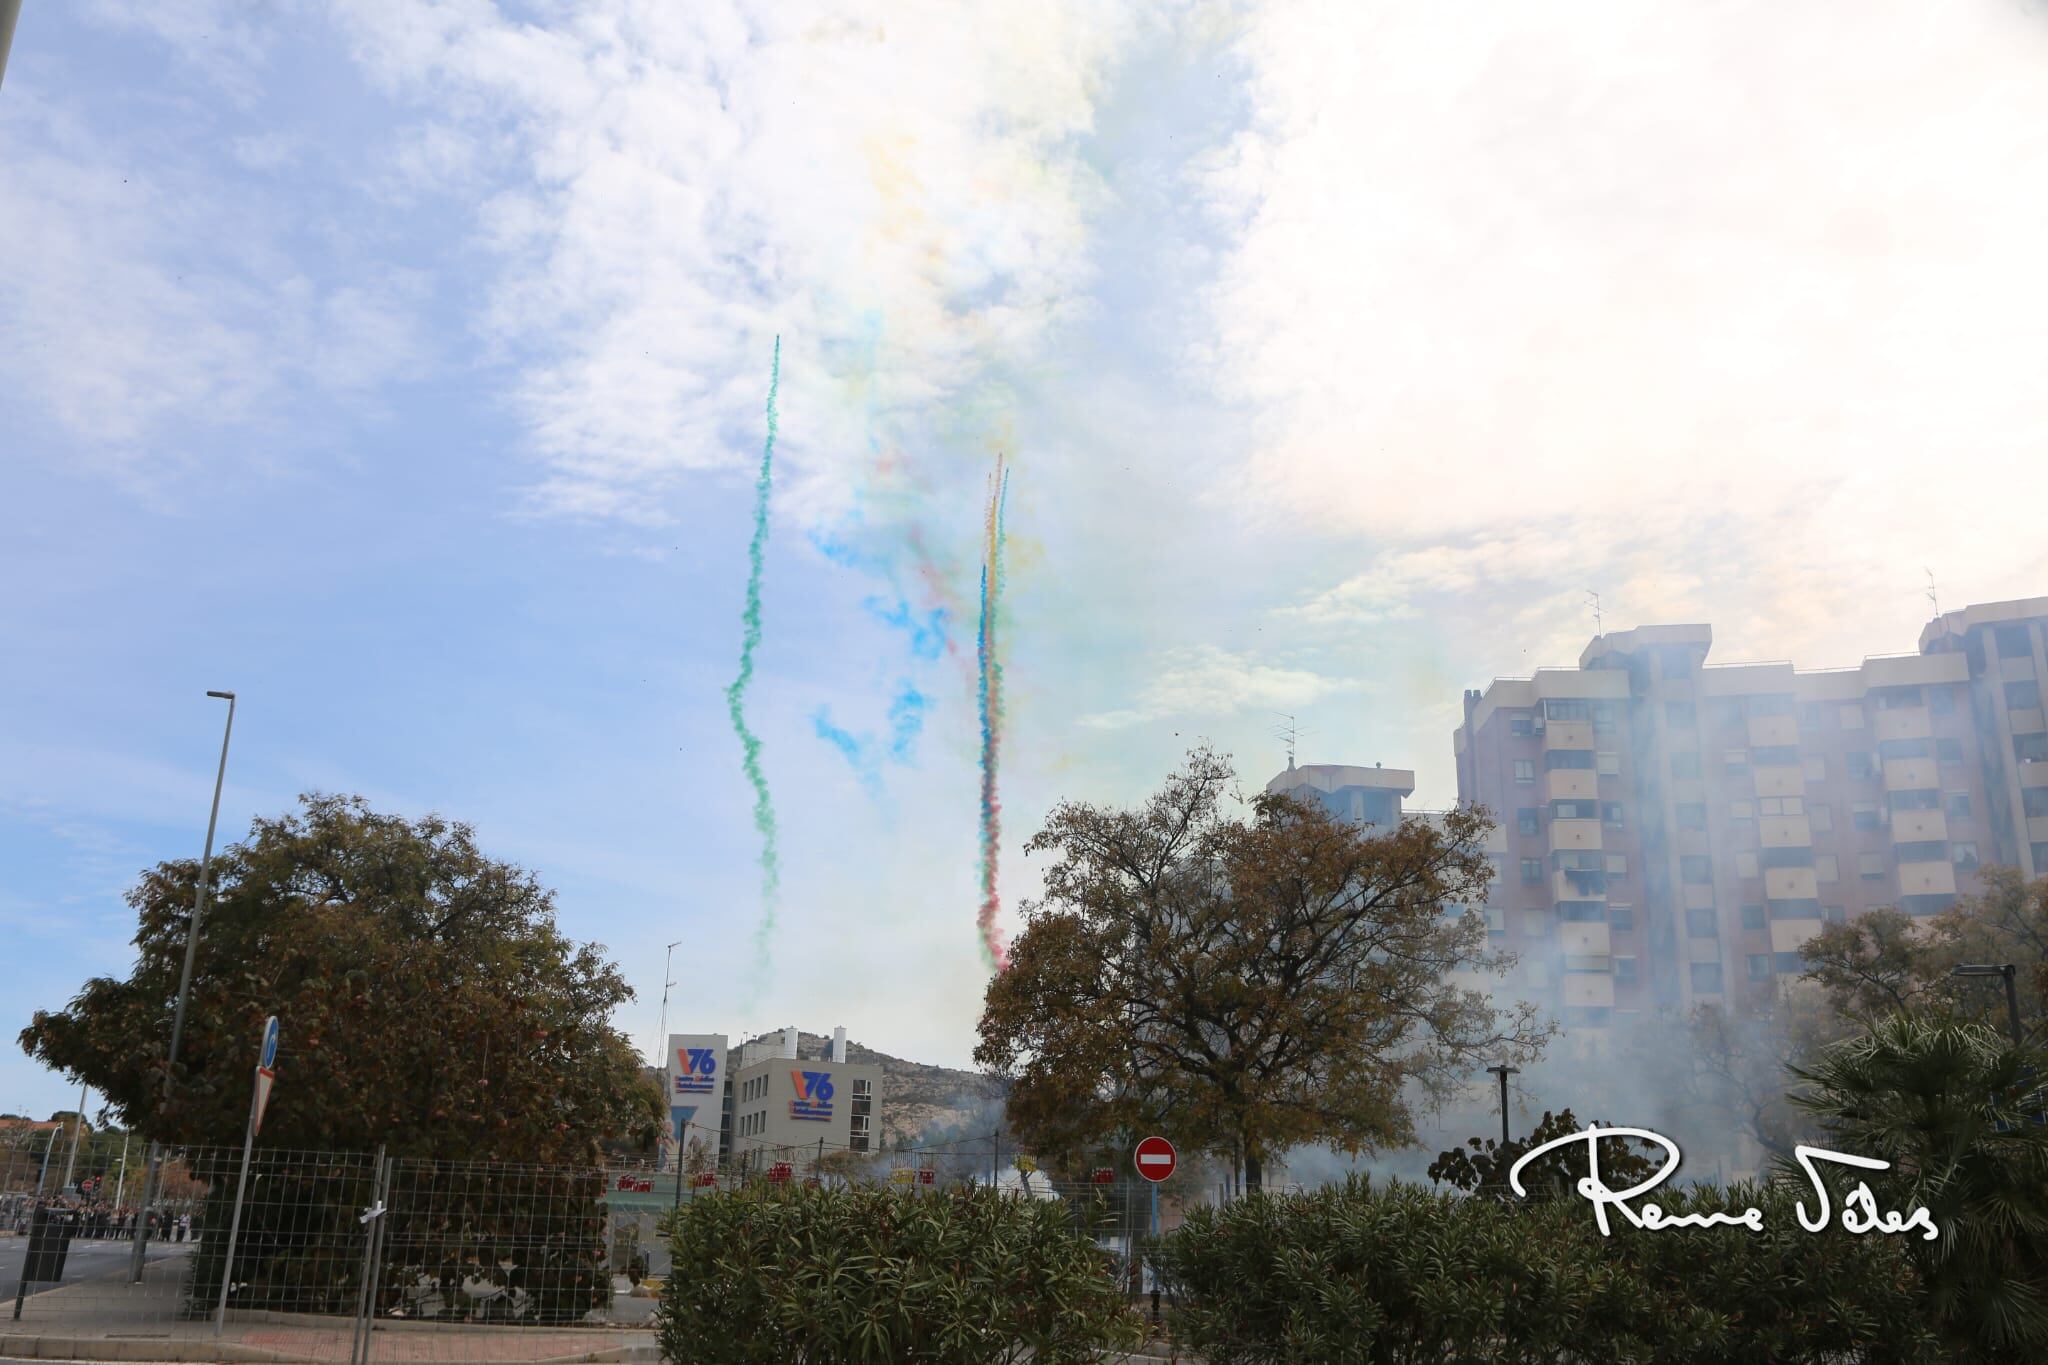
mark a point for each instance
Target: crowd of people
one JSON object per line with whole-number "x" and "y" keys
{"x": 96, "y": 1219}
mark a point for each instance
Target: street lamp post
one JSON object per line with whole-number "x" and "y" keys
{"x": 2012, "y": 994}
{"x": 1504, "y": 1071}
{"x": 661, "y": 1052}
{"x": 184, "y": 981}
{"x": 10, "y": 10}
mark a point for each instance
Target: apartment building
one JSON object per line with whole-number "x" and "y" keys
{"x": 1670, "y": 829}
{"x": 1370, "y": 796}
{"x": 783, "y": 1107}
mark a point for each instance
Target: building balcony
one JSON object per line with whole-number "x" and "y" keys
{"x": 1569, "y": 834}
{"x": 1918, "y": 826}
{"x": 1573, "y": 884}
{"x": 1788, "y": 934}
{"x": 1904, "y": 722}
{"x": 1927, "y": 879}
{"x": 1568, "y": 734}
{"x": 2037, "y": 829}
{"x": 1579, "y": 989}
{"x": 1784, "y": 831}
{"x": 1571, "y": 784}
{"x": 2015, "y": 670}
{"x": 1779, "y": 781}
{"x": 2026, "y": 722}
{"x": 1911, "y": 775}
{"x": 1582, "y": 940}
{"x": 1791, "y": 884}
{"x": 1770, "y": 732}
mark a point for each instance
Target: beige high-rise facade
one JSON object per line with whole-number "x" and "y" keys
{"x": 1671, "y": 829}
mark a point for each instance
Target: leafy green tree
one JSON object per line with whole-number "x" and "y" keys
{"x": 1957, "y": 1111}
{"x": 1886, "y": 960}
{"x": 1251, "y": 982}
{"x": 426, "y": 1002}
{"x": 425, "y": 997}
{"x": 1483, "y": 1170}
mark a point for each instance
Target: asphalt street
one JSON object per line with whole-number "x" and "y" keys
{"x": 88, "y": 1260}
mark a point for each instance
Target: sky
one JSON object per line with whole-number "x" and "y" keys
{"x": 402, "y": 366}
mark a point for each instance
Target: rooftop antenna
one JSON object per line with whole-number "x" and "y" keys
{"x": 1933, "y": 598}
{"x": 1289, "y": 733}
{"x": 1599, "y": 628}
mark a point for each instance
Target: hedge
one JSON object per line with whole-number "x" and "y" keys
{"x": 802, "y": 1276}
{"x": 1364, "y": 1273}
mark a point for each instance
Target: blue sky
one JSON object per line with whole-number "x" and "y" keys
{"x": 400, "y": 366}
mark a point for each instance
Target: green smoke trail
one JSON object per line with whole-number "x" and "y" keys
{"x": 736, "y": 695}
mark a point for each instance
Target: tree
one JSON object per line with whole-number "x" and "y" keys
{"x": 1484, "y": 1169}
{"x": 1886, "y": 960}
{"x": 1252, "y": 982}
{"x": 426, "y": 1001}
{"x": 1956, "y": 1110}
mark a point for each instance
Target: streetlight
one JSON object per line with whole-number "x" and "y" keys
{"x": 185, "y": 978}
{"x": 661, "y": 1051}
{"x": 1504, "y": 1071}
{"x": 10, "y": 10}
{"x": 2012, "y": 994}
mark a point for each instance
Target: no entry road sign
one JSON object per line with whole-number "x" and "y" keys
{"x": 1156, "y": 1159}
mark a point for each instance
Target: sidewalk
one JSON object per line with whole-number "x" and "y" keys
{"x": 114, "y": 1319}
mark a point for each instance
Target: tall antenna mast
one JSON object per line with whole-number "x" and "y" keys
{"x": 1933, "y": 598}
{"x": 1599, "y": 625}
{"x": 1288, "y": 734}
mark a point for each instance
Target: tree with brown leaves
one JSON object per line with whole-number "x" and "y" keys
{"x": 1245, "y": 982}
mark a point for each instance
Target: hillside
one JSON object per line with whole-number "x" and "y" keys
{"x": 917, "y": 1098}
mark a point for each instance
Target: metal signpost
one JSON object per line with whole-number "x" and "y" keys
{"x": 266, "y": 1073}
{"x": 1155, "y": 1160}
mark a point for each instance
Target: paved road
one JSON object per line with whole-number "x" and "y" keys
{"x": 88, "y": 1260}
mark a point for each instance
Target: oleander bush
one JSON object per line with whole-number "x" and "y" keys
{"x": 1397, "y": 1273}
{"x": 802, "y": 1276}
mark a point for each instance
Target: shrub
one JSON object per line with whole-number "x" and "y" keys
{"x": 1358, "y": 1273}
{"x": 839, "y": 1276}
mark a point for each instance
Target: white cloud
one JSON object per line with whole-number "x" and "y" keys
{"x": 1208, "y": 681}
{"x": 898, "y": 195}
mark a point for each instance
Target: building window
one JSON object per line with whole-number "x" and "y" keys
{"x": 2032, "y": 748}
{"x": 1863, "y": 815}
{"x": 1736, "y": 760}
{"x": 1870, "y": 866}
{"x": 1816, "y": 768}
{"x": 1798, "y": 855}
{"x": 1564, "y": 710}
{"x": 1572, "y": 760}
{"x": 1787, "y": 963}
{"x": 1611, "y": 814}
{"x": 1575, "y": 810}
{"x": 1957, "y": 804}
{"x": 1532, "y": 871}
{"x": 1685, "y": 765}
{"x": 1753, "y": 917}
{"x": 1701, "y": 922}
{"x": 1706, "y": 978}
{"x": 1521, "y": 725}
{"x": 1682, "y": 715}
{"x": 1852, "y": 716}
{"x": 2040, "y": 852}
{"x": 1741, "y": 810}
{"x": 1617, "y": 865}
{"x": 1745, "y": 865}
{"x": 1889, "y": 749}
{"x": 1695, "y": 870}
{"x": 1923, "y": 851}
{"x": 1621, "y": 918}
{"x": 2024, "y": 695}
{"x": 1624, "y": 971}
{"x": 1820, "y": 818}
{"x": 1603, "y": 717}
{"x": 1948, "y": 751}
{"x": 1826, "y": 868}
{"x": 863, "y": 1088}
{"x": 1941, "y": 701}
{"x": 1607, "y": 763}
{"x": 1775, "y": 756}
{"x": 1582, "y": 912}
{"x": 2034, "y": 801}
{"x": 1692, "y": 815}
{"x": 1525, "y": 770}
{"x": 1835, "y": 914}
{"x": 1809, "y": 715}
{"x": 1526, "y": 821}
{"x": 1858, "y": 763}
{"x": 1965, "y": 854}
{"x": 2013, "y": 642}
{"x": 1759, "y": 966}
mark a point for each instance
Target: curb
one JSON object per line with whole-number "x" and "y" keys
{"x": 199, "y": 1349}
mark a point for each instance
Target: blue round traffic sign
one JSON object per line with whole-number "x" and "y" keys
{"x": 269, "y": 1043}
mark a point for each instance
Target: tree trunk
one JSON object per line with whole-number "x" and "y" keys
{"x": 1253, "y": 1173}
